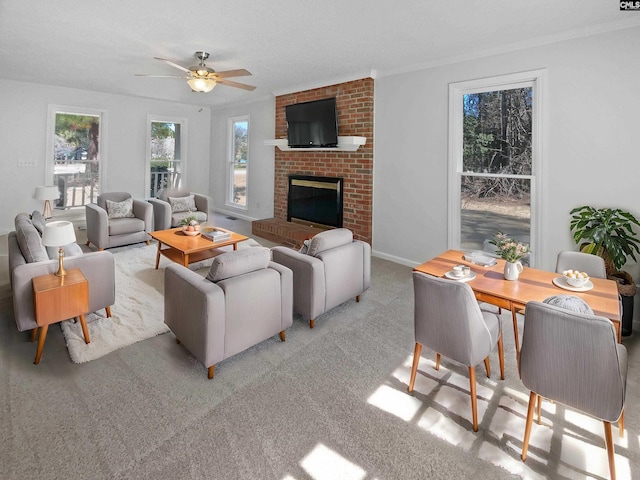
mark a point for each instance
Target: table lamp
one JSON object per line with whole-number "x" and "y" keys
{"x": 58, "y": 234}
{"x": 46, "y": 194}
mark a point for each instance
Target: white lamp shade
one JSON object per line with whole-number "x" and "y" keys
{"x": 201, "y": 84}
{"x": 57, "y": 234}
{"x": 46, "y": 193}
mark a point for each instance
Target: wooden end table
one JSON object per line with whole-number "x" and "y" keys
{"x": 60, "y": 298}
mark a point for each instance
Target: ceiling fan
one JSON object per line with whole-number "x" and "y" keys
{"x": 202, "y": 78}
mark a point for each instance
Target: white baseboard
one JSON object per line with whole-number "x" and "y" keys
{"x": 393, "y": 258}
{"x": 231, "y": 213}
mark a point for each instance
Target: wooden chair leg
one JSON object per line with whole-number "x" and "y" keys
{"x": 312, "y": 323}
{"x": 608, "y": 438}
{"x": 414, "y": 367}
{"x": 621, "y": 424}
{"x": 108, "y": 309}
{"x": 178, "y": 341}
{"x": 474, "y": 403}
{"x": 437, "y": 361}
{"x": 487, "y": 365}
{"x": 283, "y": 336}
{"x": 501, "y": 356}
{"x": 515, "y": 334}
{"x": 527, "y": 428}
{"x": 210, "y": 371}
{"x": 41, "y": 339}
{"x": 88, "y": 243}
{"x": 34, "y": 334}
{"x": 148, "y": 242}
{"x": 539, "y": 408}
{"x": 357, "y": 298}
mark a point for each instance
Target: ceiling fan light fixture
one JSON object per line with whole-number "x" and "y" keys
{"x": 202, "y": 85}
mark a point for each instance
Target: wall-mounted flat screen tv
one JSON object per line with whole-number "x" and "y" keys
{"x": 312, "y": 124}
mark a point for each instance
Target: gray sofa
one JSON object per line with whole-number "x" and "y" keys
{"x": 165, "y": 216}
{"x": 244, "y": 300}
{"x": 105, "y": 231}
{"x": 330, "y": 269}
{"x": 28, "y": 258}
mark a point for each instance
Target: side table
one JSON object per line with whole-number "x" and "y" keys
{"x": 60, "y": 298}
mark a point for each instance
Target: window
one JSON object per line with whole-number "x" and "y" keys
{"x": 73, "y": 163}
{"x": 165, "y": 153}
{"x": 494, "y": 160}
{"x": 238, "y": 161}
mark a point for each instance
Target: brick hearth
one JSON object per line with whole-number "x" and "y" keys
{"x": 354, "y": 102}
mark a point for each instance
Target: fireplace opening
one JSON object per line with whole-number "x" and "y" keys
{"x": 315, "y": 201}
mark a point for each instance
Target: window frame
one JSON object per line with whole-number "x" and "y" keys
{"x": 183, "y": 147}
{"x": 534, "y": 79}
{"x": 52, "y": 111}
{"x": 231, "y": 121}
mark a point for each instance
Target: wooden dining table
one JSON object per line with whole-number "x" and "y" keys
{"x": 490, "y": 286}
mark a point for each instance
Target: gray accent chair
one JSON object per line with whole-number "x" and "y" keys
{"x": 164, "y": 218}
{"x": 105, "y": 232}
{"x": 593, "y": 265}
{"x": 574, "y": 358}
{"x": 334, "y": 269}
{"x": 244, "y": 300}
{"x": 448, "y": 320}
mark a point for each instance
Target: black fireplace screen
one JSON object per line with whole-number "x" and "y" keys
{"x": 317, "y": 200}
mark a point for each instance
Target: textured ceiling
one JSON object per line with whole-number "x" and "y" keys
{"x": 288, "y": 45}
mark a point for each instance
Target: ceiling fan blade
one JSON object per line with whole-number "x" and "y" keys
{"x": 158, "y": 76}
{"x": 175, "y": 65}
{"x": 241, "y": 72}
{"x": 231, "y": 83}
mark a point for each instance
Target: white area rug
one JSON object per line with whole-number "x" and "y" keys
{"x": 138, "y": 313}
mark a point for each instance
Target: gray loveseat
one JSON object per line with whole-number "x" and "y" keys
{"x": 28, "y": 258}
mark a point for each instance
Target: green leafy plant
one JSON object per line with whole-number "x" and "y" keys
{"x": 186, "y": 221}
{"x": 607, "y": 233}
{"x": 509, "y": 249}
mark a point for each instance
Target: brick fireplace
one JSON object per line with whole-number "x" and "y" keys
{"x": 354, "y": 101}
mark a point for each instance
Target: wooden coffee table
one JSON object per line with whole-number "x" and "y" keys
{"x": 184, "y": 249}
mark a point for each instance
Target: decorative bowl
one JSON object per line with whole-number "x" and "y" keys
{"x": 191, "y": 233}
{"x": 575, "y": 278}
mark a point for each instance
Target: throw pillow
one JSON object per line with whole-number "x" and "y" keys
{"x": 183, "y": 204}
{"x": 232, "y": 264}
{"x": 38, "y": 221}
{"x": 569, "y": 302}
{"x": 30, "y": 244}
{"x": 122, "y": 209}
{"x": 305, "y": 247}
{"x": 69, "y": 251}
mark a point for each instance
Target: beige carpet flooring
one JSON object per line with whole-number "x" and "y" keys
{"x": 329, "y": 403}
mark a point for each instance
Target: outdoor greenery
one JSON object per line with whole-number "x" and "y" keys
{"x": 497, "y": 129}
{"x": 605, "y": 232}
{"x": 76, "y": 133}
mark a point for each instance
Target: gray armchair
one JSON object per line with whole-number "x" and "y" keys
{"x": 334, "y": 269}
{"x": 448, "y": 319}
{"x": 244, "y": 300}
{"x": 573, "y": 358}
{"x": 118, "y": 219}
{"x": 172, "y": 205}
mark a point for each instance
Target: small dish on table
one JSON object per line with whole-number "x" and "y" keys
{"x": 562, "y": 283}
{"x": 191, "y": 230}
{"x": 461, "y": 273}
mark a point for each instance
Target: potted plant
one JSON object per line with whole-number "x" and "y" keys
{"x": 609, "y": 234}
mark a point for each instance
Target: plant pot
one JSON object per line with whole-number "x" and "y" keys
{"x": 627, "y": 291}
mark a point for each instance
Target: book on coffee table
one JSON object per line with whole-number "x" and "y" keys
{"x": 216, "y": 235}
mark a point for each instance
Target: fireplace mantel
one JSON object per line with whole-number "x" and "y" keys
{"x": 345, "y": 144}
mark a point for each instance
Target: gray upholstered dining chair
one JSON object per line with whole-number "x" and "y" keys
{"x": 593, "y": 265}
{"x": 448, "y": 319}
{"x": 575, "y": 359}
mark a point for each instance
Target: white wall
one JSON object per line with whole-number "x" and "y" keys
{"x": 590, "y": 133}
{"x": 23, "y": 135}
{"x": 260, "y": 175}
